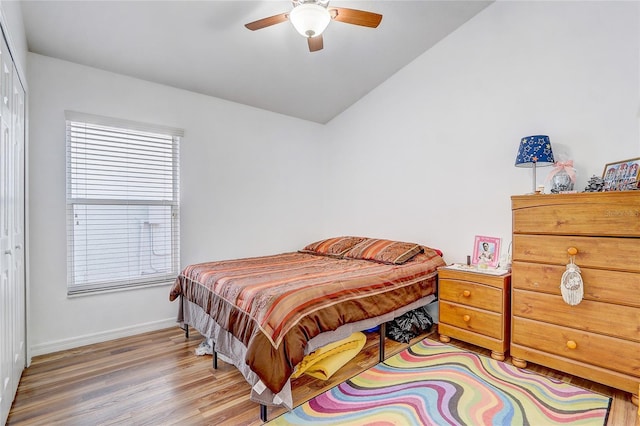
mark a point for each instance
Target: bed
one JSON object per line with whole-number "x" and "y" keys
{"x": 264, "y": 314}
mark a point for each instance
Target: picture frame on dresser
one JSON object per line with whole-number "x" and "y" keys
{"x": 622, "y": 175}
{"x": 486, "y": 251}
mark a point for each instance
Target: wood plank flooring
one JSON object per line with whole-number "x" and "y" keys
{"x": 156, "y": 379}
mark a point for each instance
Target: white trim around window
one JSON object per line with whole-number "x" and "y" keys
{"x": 122, "y": 203}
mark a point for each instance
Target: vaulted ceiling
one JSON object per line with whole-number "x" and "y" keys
{"x": 203, "y": 46}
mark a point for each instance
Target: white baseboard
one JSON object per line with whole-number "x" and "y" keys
{"x": 103, "y": 336}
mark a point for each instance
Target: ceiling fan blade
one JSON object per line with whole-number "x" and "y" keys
{"x": 355, "y": 16}
{"x": 267, "y": 22}
{"x": 315, "y": 43}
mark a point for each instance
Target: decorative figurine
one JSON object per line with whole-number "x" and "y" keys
{"x": 562, "y": 177}
{"x": 595, "y": 184}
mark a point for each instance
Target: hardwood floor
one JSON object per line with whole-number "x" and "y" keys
{"x": 156, "y": 379}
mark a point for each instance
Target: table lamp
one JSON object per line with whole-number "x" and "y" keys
{"x": 534, "y": 151}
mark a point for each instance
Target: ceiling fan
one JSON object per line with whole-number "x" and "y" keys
{"x": 311, "y": 17}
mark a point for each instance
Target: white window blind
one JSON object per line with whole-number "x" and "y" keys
{"x": 122, "y": 203}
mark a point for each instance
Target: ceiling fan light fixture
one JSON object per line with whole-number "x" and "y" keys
{"x": 310, "y": 19}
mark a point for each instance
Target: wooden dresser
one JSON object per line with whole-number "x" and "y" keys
{"x": 599, "y": 338}
{"x": 474, "y": 307}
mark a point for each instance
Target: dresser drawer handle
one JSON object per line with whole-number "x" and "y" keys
{"x": 466, "y": 318}
{"x": 572, "y": 251}
{"x": 466, "y": 293}
{"x": 571, "y": 344}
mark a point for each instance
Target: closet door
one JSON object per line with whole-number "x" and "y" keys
{"x": 12, "y": 236}
{"x": 7, "y": 198}
{"x": 18, "y": 234}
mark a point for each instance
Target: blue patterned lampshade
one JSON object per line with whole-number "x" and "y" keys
{"x": 534, "y": 151}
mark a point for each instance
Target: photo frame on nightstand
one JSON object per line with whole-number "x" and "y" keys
{"x": 486, "y": 251}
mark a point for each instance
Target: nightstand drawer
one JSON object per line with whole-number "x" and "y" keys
{"x": 471, "y": 294}
{"x": 472, "y": 319}
{"x": 604, "y": 351}
{"x": 603, "y": 318}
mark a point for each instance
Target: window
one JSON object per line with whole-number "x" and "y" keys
{"x": 122, "y": 204}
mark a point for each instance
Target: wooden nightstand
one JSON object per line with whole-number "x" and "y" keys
{"x": 474, "y": 307}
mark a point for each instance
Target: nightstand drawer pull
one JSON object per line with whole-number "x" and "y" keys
{"x": 571, "y": 344}
{"x": 572, "y": 251}
{"x": 466, "y": 293}
{"x": 466, "y": 318}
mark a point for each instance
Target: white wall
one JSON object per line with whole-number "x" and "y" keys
{"x": 429, "y": 155}
{"x": 249, "y": 181}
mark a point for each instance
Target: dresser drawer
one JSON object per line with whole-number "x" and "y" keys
{"x": 599, "y": 284}
{"x": 593, "y": 252}
{"x": 603, "y": 351}
{"x": 471, "y": 294}
{"x": 603, "y": 318}
{"x": 610, "y": 214}
{"x": 472, "y": 319}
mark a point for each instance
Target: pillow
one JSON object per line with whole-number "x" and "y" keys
{"x": 384, "y": 251}
{"x": 334, "y": 247}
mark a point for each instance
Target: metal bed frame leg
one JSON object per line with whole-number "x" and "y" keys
{"x": 263, "y": 413}
{"x": 186, "y": 326}
{"x": 383, "y": 332}
{"x": 215, "y": 356}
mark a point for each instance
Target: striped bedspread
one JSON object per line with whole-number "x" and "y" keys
{"x": 276, "y": 304}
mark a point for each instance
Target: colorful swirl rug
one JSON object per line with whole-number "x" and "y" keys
{"x": 435, "y": 384}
